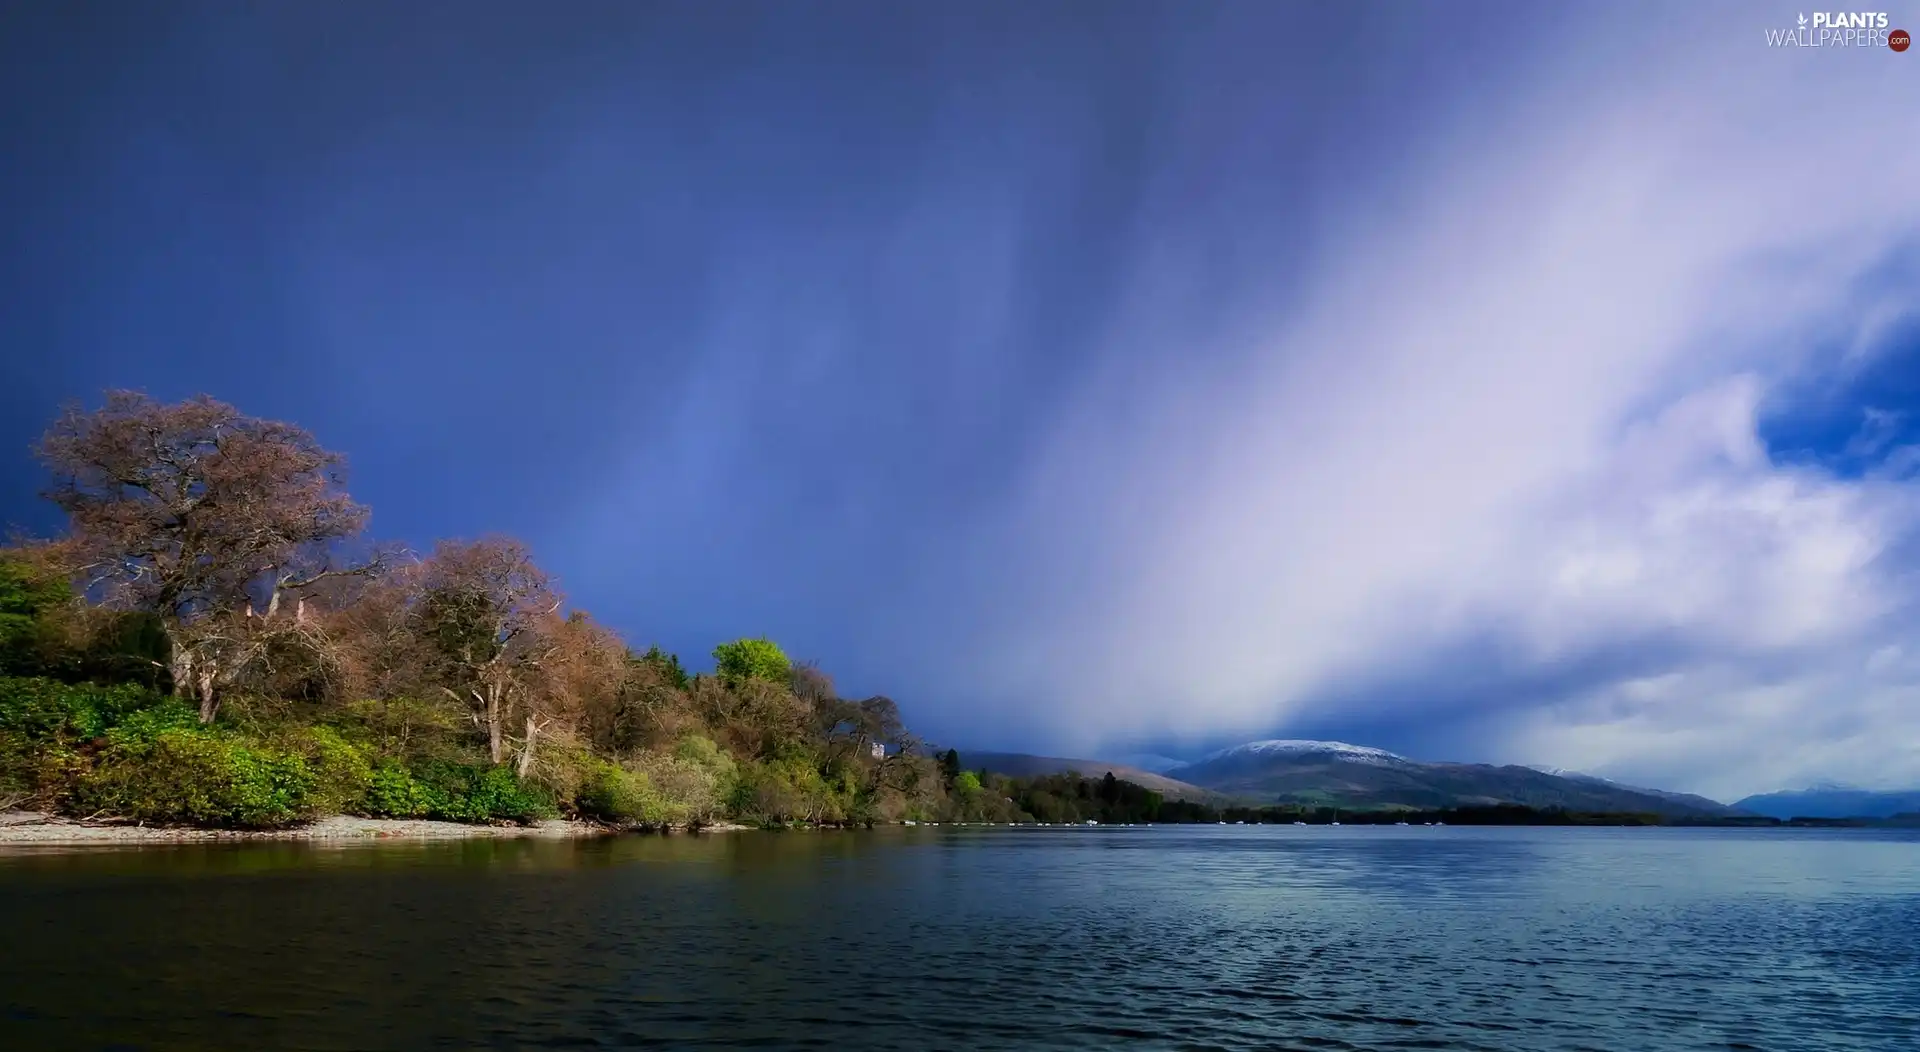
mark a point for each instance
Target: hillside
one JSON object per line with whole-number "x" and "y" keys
{"x": 1338, "y": 774}
{"x": 1833, "y": 801}
{"x": 1024, "y": 765}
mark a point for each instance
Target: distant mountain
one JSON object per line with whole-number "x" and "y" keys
{"x": 1147, "y": 761}
{"x": 1833, "y": 801}
{"x": 1686, "y": 799}
{"x": 1343, "y": 775}
{"x": 1022, "y": 765}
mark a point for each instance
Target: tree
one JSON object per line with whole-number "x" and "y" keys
{"x": 810, "y": 684}
{"x": 192, "y": 511}
{"x": 483, "y": 610}
{"x": 950, "y": 765}
{"x": 35, "y": 605}
{"x": 582, "y": 668}
{"x": 751, "y": 659}
{"x": 667, "y": 665}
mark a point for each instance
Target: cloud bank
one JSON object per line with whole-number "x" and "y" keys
{"x": 1514, "y": 423}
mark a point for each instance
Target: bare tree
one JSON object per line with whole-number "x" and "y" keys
{"x": 192, "y": 511}
{"x": 486, "y": 611}
{"x": 582, "y": 667}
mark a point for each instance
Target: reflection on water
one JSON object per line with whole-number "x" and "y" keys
{"x": 1172, "y": 937}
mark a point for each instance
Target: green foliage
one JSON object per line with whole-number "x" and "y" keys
{"x": 198, "y": 776}
{"x": 401, "y": 725}
{"x": 668, "y": 665}
{"x": 392, "y": 792}
{"x": 967, "y": 784}
{"x": 342, "y": 771}
{"x": 43, "y": 709}
{"x": 1072, "y": 798}
{"x": 29, "y": 596}
{"x": 463, "y": 792}
{"x": 793, "y": 789}
{"x": 612, "y": 793}
{"x": 129, "y": 647}
{"x": 751, "y": 659}
{"x": 453, "y": 792}
{"x": 694, "y": 783}
{"x": 24, "y": 595}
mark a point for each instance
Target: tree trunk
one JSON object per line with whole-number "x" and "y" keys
{"x": 495, "y": 737}
{"x": 526, "y": 751}
{"x": 209, "y": 705}
{"x": 181, "y": 667}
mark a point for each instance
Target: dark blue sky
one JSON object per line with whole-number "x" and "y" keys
{"x": 948, "y": 344}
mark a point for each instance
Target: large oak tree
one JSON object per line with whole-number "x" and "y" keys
{"x": 207, "y": 518}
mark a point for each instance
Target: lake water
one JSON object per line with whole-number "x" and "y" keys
{"x": 1269, "y": 938}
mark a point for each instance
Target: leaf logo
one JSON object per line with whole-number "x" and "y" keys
{"x": 1803, "y": 19}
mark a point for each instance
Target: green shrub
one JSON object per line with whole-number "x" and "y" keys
{"x": 497, "y": 794}
{"x": 392, "y": 792}
{"x": 703, "y": 753}
{"x": 457, "y": 792}
{"x": 342, "y": 771}
{"x": 169, "y": 714}
{"x": 615, "y": 794}
{"x": 19, "y": 768}
{"x": 198, "y": 777}
{"x": 790, "y": 789}
{"x": 42, "y": 709}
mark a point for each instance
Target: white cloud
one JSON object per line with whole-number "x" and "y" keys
{"x": 1530, "y": 407}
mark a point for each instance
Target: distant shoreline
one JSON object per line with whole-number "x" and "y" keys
{"x": 33, "y": 827}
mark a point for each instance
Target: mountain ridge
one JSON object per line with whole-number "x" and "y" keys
{"x": 1341, "y": 774}
{"x": 1829, "y": 800}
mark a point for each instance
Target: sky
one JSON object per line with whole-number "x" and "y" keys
{"x": 1494, "y": 382}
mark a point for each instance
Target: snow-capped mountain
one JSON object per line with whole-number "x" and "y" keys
{"x": 1346, "y": 775}
{"x": 1303, "y": 747}
{"x": 1684, "y": 799}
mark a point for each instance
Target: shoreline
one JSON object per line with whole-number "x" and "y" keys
{"x": 36, "y": 828}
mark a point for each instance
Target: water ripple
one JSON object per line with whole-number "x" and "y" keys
{"x": 1219, "y": 939}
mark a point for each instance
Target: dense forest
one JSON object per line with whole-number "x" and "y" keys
{"x": 214, "y": 640}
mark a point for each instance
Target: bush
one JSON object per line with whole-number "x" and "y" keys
{"x": 687, "y": 792}
{"x": 198, "y": 777}
{"x": 43, "y": 709}
{"x": 791, "y": 789}
{"x": 457, "y": 792}
{"x": 615, "y": 794}
{"x": 342, "y": 772}
{"x": 392, "y": 792}
{"x": 46, "y": 727}
{"x": 497, "y": 794}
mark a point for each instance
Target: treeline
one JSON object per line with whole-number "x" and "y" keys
{"x": 214, "y": 640}
{"x": 1073, "y": 799}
